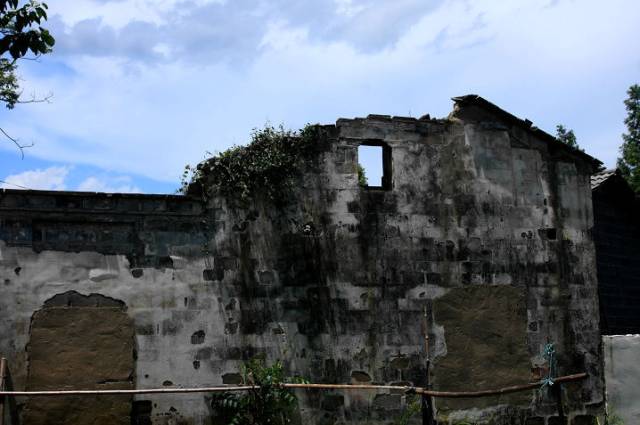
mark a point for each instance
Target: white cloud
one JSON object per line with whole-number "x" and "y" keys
{"x": 115, "y": 185}
{"x": 117, "y": 13}
{"x": 552, "y": 64}
{"x": 348, "y": 8}
{"x": 57, "y": 178}
{"x": 52, "y": 178}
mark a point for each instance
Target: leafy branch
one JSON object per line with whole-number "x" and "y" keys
{"x": 22, "y": 32}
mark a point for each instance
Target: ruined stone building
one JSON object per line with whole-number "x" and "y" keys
{"x": 481, "y": 218}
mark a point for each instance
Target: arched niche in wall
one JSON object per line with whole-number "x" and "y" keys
{"x": 80, "y": 342}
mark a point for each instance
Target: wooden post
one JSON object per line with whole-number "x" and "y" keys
{"x": 3, "y": 377}
{"x": 426, "y": 400}
{"x": 556, "y": 389}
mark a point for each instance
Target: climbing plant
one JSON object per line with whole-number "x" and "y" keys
{"x": 268, "y": 403}
{"x": 265, "y": 166}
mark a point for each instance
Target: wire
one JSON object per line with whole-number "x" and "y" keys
{"x": 16, "y": 185}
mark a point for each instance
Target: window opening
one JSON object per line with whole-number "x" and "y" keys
{"x": 374, "y": 166}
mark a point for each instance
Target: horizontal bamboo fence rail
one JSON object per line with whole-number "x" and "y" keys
{"x": 417, "y": 390}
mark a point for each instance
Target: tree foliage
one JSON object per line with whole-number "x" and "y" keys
{"x": 566, "y": 136}
{"x": 362, "y": 176}
{"x": 629, "y": 161}
{"x": 265, "y": 166}
{"x": 22, "y": 37}
{"x": 22, "y": 32}
{"x": 267, "y": 404}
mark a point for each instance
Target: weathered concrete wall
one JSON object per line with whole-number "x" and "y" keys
{"x": 622, "y": 374}
{"x": 485, "y": 224}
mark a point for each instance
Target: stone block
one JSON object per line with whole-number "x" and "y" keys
{"x": 232, "y": 379}
{"x": 584, "y": 420}
{"x": 387, "y": 401}
{"x": 98, "y": 275}
{"x": 360, "y": 376}
{"x": 332, "y": 402}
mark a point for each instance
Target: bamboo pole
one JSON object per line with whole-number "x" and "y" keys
{"x": 505, "y": 390}
{"x": 417, "y": 390}
{"x": 3, "y": 374}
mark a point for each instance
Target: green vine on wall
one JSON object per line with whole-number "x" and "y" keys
{"x": 265, "y": 166}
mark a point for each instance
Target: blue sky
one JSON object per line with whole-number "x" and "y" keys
{"x": 142, "y": 87}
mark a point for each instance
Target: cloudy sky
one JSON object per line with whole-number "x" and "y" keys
{"x": 143, "y": 87}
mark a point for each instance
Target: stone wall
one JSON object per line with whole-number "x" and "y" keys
{"x": 485, "y": 223}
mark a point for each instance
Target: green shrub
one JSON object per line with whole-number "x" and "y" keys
{"x": 269, "y": 404}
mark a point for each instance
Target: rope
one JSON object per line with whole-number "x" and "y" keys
{"x": 549, "y": 354}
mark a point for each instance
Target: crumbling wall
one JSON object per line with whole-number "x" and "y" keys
{"x": 483, "y": 224}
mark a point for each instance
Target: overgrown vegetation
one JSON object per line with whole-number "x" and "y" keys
{"x": 269, "y": 404}
{"x": 265, "y": 166}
